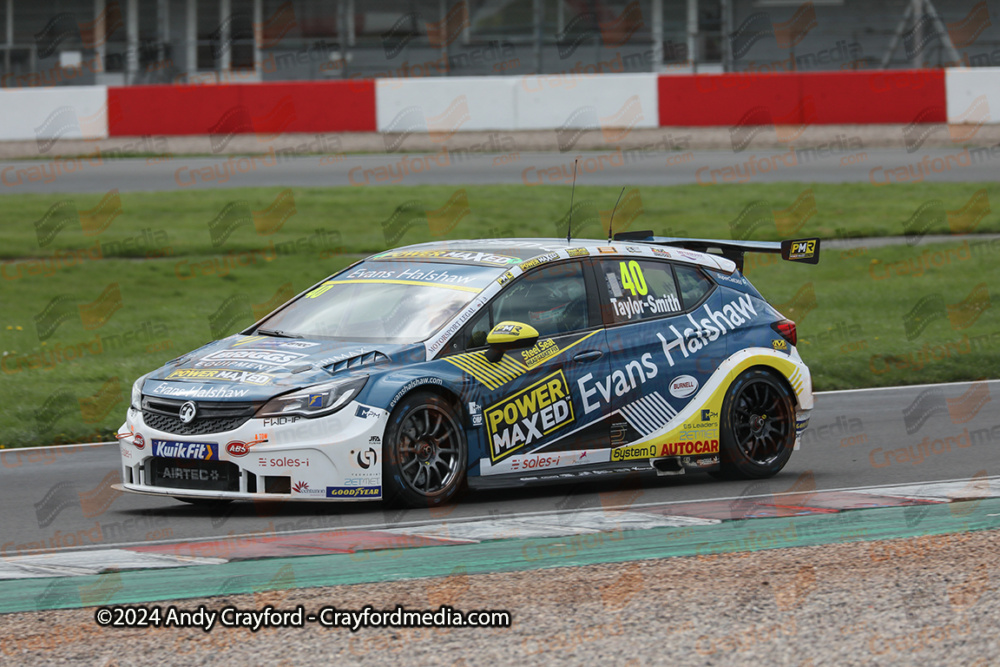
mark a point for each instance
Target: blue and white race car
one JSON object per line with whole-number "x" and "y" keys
{"x": 420, "y": 371}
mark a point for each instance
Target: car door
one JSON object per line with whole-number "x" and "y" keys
{"x": 533, "y": 415}
{"x": 654, "y": 370}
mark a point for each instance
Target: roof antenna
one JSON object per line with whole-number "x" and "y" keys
{"x": 612, "y": 221}
{"x": 569, "y": 227}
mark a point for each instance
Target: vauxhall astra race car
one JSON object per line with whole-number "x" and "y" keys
{"x": 419, "y": 371}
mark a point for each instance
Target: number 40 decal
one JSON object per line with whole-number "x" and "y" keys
{"x": 632, "y": 278}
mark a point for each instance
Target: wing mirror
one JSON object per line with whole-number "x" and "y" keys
{"x": 509, "y": 336}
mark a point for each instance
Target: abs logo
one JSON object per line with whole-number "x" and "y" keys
{"x": 367, "y": 458}
{"x": 237, "y": 448}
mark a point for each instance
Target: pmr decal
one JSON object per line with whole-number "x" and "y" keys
{"x": 529, "y": 415}
{"x": 683, "y": 386}
{"x": 801, "y": 250}
{"x": 205, "y": 451}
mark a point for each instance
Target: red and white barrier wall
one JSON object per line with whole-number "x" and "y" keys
{"x": 71, "y": 112}
{"x": 445, "y": 105}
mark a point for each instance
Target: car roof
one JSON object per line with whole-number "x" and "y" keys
{"x": 525, "y": 249}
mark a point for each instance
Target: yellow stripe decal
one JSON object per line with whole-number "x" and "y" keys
{"x": 507, "y": 369}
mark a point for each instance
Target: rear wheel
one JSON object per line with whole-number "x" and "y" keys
{"x": 757, "y": 426}
{"x": 424, "y": 452}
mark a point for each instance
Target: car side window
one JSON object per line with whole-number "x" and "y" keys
{"x": 552, "y": 299}
{"x": 694, "y": 285}
{"x": 635, "y": 290}
{"x": 478, "y": 330}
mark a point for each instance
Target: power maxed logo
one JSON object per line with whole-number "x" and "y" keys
{"x": 529, "y": 415}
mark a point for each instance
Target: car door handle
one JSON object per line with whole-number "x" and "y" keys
{"x": 695, "y": 334}
{"x": 588, "y": 356}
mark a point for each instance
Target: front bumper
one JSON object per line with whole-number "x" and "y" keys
{"x": 333, "y": 458}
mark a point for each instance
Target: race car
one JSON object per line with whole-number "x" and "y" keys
{"x": 421, "y": 371}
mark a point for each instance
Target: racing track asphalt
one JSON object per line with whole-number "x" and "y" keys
{"x": 595, "y": 168}
{"x": 61, "y": 496}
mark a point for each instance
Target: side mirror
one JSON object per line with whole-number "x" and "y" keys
{"x": 509, "y": 336}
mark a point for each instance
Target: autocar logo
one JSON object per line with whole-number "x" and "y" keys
{"x": 367, "y": 458}
{"x": 188, "y": 412}
{"x": 139, "y": 441}
{"x": 683, "y": 386}
{"x": 237, "y": 448}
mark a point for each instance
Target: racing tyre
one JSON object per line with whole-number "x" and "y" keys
{"x": 424, "y": 453}
{"x": 756, "y": 427}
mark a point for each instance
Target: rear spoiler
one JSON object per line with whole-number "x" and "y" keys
{"x": 793, "y": 250}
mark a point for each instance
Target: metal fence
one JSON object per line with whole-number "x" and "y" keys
{"x": 128, "y": 42}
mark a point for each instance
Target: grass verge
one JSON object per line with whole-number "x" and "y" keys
{"x": 867, "y": 317}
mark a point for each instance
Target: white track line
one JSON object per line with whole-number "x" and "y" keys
{"x": 904, "y": 386}
{"x": 489, "y": 517}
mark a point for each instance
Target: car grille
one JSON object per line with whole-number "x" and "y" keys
{"x": 193, "y": 474}
{"x": 212, "y": 417}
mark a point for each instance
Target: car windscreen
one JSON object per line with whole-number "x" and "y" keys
{"x": 383, "y": 302}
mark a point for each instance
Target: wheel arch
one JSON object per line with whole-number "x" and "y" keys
{"x": 775, "y": 371}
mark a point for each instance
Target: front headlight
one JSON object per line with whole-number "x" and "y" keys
{"x": 315, "y": 401}
{"x": 136, "y": 403}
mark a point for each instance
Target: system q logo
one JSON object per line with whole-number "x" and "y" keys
{"x": 237, "y": 448}
{"x": 683, "y": 386}
{"x": 139, "y": 441}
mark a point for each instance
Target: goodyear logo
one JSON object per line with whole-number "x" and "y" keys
{"x": 529, "y": 415}
{"x": 690, "y": 447}
{"x": 633, "y": 452}
{"x": 354, "y": 492}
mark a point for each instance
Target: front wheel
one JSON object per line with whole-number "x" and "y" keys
{"x": 757, "y": 426}
{"x": 424, "y": 452}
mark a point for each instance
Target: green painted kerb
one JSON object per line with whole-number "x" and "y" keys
{"x": 140, "y": 586}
